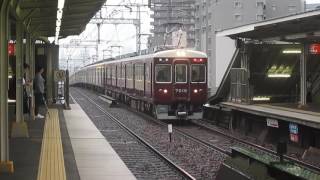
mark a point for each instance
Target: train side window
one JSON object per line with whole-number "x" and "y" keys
{"x": 181, "y": 73}
{"x": 198, "y": 73}
{"x": 163, "y": 73}
{"x": 147, "y": 73}
{"x": 129, "y": 71}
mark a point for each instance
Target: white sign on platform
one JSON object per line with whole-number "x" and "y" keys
{"x": 59, "y": 75}
{"x": 272, "y": 123}
{"x": 170, "y": 128}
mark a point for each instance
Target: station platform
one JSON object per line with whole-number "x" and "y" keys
{"x": 285, "y": 112}
{"x": 66, "y": 145}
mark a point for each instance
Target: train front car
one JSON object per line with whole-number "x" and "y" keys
{"x": 179, "y": 84}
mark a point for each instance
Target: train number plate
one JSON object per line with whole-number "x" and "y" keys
{"x": 181, "y": 90}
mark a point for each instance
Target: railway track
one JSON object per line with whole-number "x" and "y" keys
{"x": 250, "y": 144}
{"x": 184, "y": 174}
{"x": 217, "y": 140}
{"x": 199, "y": 159}
{"x": 223, "y": 145}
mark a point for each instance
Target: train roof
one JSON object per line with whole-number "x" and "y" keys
{"x": 162, "y": 54}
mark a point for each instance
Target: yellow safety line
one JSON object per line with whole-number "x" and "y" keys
{"x": 51, "y": 164}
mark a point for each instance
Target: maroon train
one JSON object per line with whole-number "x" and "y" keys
{"x": 170, "y": 84}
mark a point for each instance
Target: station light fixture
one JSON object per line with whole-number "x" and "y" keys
{"x": 261, "y": 98}
{"x": 58, "y": 23}
{"x": 60, "y": 4}
{"x": 279, "y": 75}
{"x": 59, "y": 18}
{"x": 291, "y": 51}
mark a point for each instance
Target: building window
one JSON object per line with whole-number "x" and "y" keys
{"x": 237, "y": 4}
{"x": 209, "y": 53}
{"x": 274, "y": 7}
{"x": 292, "y": 8}
{"x": 260, "y": 17}
{"x": 209, "y": 41}
{"x": 260, "y": 4}
{"x": 238, "y": 17}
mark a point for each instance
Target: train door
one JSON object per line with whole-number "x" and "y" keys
{"x": 181, "y": 83}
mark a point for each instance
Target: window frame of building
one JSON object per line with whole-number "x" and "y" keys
{"x": 292, "y": 8}
{"x": 238, "y": 15}
{"x": 237, "y": 4}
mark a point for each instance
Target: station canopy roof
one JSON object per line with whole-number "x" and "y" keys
{"x": 39, "y": 16}
{"x": 302, "y": 27}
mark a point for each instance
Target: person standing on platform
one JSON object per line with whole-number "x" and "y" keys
{"x": 38, "y": 90}
{"x": 26, "y": 108}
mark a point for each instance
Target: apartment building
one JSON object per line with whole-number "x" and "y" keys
{"x": 170, "y": 16}
{"x": 215, "y": 15}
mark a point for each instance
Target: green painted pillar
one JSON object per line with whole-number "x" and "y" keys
{"x": 19, "y": 128}
{"x": 32, "y": 74}
{"x": 5, "y": 164}
{"x": 303, "y": 75}
{"x": 28, "y": 73}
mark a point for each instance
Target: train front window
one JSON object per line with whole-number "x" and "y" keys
{"x": 181, "y": 73}
{"x": 163, "y": 73}
{"x": 198, "y": 73}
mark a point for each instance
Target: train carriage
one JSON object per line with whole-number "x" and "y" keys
{"x": 170, "y": 84}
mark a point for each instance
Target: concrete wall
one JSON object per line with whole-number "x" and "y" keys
{"x": 225, "y": 49}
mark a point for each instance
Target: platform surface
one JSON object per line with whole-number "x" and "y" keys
{"x": 308, "y": 118}
{"x": 95, "y": 158}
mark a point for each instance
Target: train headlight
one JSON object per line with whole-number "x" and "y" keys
{"x": 195, "y": 90}
{"x": 165, "y": 91}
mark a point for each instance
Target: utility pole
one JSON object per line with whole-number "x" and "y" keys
{"x": 99, "y": 38}
{"x": 138, "y": 31}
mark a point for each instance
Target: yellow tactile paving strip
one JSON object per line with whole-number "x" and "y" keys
{"x": 51, "y": 165}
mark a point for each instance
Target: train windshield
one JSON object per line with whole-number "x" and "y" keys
{"x": 163, "y": 73}
{"x": 181, "y": 73}
{"x": 198, "y": 73}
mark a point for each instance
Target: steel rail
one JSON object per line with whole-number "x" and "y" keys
{"x": 286, "y": 157}
{"x": 298, "y": 162}
{"x": 171, "y": 163}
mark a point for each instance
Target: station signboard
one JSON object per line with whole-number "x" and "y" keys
{"x": 272, "y": 123}
{"x": 314, "y": 49}
{"x": 294, "y": 130}
{"x": 294, "y": 138}
{"x": 11, "y": 49}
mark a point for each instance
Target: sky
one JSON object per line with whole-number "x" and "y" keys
{"x": 112, "y": 37}
{"x": 120, "y": 35}
{"x": 312, "y": 1}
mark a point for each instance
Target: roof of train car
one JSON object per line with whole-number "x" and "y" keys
{"x": 162, "y": 54}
